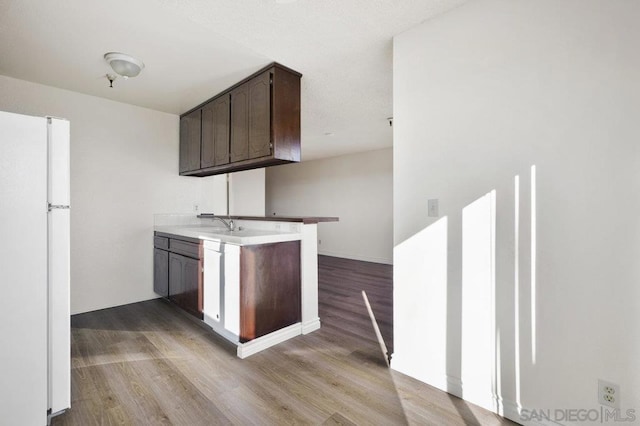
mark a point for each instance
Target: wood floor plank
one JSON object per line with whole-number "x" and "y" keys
{"x": 151, "y": 364}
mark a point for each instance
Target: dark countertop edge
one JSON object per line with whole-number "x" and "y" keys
{"x": 303, "y": 219}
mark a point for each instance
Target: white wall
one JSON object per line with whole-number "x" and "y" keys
{"x": 124, "y": 168}
{"x": 213, "y": 195}
{"x": 247, "y": 193}
{"x": 482, "y": 94}
{"x": 357, "y": 188}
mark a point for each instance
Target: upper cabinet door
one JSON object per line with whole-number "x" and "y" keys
{"x": 190, "y": 136}
{"x": 184, "y": 133}
{"x": 240, "y": 123}
{"x": 260, "y": 115}
{"x": 215, "y": 132}
{"x": 207, "y": 157}
{"x": 221, "y": 138}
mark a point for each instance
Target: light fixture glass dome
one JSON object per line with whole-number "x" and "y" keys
{"x": 125, "y": 65}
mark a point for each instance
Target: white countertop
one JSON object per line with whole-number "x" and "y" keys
{"x": 242, "y": 237}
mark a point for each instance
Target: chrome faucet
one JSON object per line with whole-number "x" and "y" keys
{"x": 230, "y": 225}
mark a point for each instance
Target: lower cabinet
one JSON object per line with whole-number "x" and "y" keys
{"x": 241, "y": 292}
{"x": 177, "y": 272}
{"x": 161, "y": 272}
{"x": 253, "y": 290}
{"x": 185, "y": 282}
{"x": 270, "y": 288}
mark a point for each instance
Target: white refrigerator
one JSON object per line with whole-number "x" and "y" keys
{"x": 34, "y": 269}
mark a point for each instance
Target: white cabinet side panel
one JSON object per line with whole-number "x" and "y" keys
{"x": 212, "y": 280}
{"x": 309, "y": 257}
{"x": 232, "y": 289}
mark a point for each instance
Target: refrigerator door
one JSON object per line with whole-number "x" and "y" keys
{"x": 59, "y": 314}
{"x": 23, "y": 269}
{"x": 59, "y": 271}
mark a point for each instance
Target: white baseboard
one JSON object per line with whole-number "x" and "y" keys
{"x": 454, "y": 386}
{"x": 261, "y": 343}
{"x": 271, "y": 339}
{"x": 311, "y": 326}
{"x": 500, "y": 406}
{"x": 383, "y": 260}
{"x": 438, "y": 381}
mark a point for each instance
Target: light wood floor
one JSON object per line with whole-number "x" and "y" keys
{"x": 149, "y": 364}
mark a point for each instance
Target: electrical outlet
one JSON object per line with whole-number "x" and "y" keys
{"x": 608, "y": 394}
{"x": 432, "y": 208}
{"x": 319, "y": 242}
{"x": 196, "y": 207}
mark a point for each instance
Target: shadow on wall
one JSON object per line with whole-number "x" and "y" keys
{"x": 465, "y": 299}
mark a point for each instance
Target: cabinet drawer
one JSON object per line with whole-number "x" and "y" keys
{"x": 161, "y": 242}
{"x": 184, "y": 248}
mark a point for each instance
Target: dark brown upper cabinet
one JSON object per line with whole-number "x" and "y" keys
{"x": 221, "y": 108}
{"x": 215, "y": 133}
{"x": 207, "y": 158}
{"x": 253, "y": 124}
{"x": 190, "y": 139}
{"x": 260, "y": 115}
{"x": 240, "y": 123}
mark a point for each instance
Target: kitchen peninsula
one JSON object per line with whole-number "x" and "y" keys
{"x": 255, "y": 285}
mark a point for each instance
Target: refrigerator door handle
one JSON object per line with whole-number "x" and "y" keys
{"x": 56, "y": 206}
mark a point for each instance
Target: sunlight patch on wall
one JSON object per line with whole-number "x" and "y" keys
{"x": 516, "y": 282}
{"x": 420, "y": 304}
{"x": 534, "y": 243}
{"x": 478, "y": 300}
{"x": 497, "y": 376}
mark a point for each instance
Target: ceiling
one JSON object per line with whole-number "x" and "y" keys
{"x": 194, "y": 49}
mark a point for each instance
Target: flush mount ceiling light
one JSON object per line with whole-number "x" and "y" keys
{"x": 125, "y": 65}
